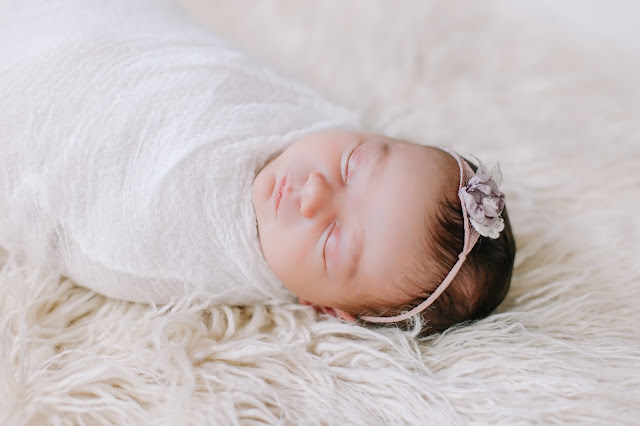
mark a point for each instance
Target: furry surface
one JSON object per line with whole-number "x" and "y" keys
{"x": 554, "y": 101}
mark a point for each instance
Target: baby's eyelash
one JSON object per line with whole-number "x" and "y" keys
{"x": 346, "y": 163}
{"x": 324, "y": 246}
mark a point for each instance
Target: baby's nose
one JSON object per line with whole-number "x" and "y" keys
{"x": 315, "y": 195}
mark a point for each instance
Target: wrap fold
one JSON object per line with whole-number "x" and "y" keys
{"x": 129, "y": 141}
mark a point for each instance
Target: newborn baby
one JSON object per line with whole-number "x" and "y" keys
{"x": 147, "y": 159}
{"x": 365, "y": 226}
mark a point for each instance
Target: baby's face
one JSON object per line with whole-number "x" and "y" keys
{"x": 342, "y": 214}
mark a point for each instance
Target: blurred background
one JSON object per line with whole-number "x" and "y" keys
{"x": 331, "y": 40}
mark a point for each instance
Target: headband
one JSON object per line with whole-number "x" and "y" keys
{"x": 482, "y": 204}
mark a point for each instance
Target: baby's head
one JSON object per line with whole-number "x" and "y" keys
{"x": 361, "y": 225}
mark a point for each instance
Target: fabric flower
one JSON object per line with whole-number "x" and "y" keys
{"x": 484, "y": 202}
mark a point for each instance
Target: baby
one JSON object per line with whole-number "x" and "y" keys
{"x": 142, "y": 177}
{"x": 363, "y": 226}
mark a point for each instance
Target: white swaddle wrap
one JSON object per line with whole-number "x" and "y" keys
{"x": 129, "y": 141}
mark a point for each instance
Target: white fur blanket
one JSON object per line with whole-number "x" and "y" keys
{"x": 552, "y": 92}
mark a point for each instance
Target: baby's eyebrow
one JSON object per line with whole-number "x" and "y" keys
{"x": 382, "y": 154}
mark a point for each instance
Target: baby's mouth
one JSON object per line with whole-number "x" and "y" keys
{"x": 280, "y": 192}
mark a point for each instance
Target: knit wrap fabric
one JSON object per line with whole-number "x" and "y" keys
{"x": 129, "y": 141}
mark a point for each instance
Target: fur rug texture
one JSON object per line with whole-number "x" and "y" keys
{"x": 550, "y": 91}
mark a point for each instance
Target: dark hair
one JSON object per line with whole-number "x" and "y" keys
{"x": 479, "y": 287}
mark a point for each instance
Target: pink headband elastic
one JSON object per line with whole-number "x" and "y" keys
{"x": 471, "y": 236}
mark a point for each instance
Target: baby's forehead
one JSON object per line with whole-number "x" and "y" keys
{"x": 440, "y": 168}
{"x": 399, "y": 227}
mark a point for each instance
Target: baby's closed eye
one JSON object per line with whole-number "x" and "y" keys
{"x": 349, "y": 162}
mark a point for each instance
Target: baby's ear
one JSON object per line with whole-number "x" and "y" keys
{"x": 344, "y": 315}
{"x": 338, "y": 313}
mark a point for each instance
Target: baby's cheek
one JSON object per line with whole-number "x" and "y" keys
{"x": 287, "y": 258}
